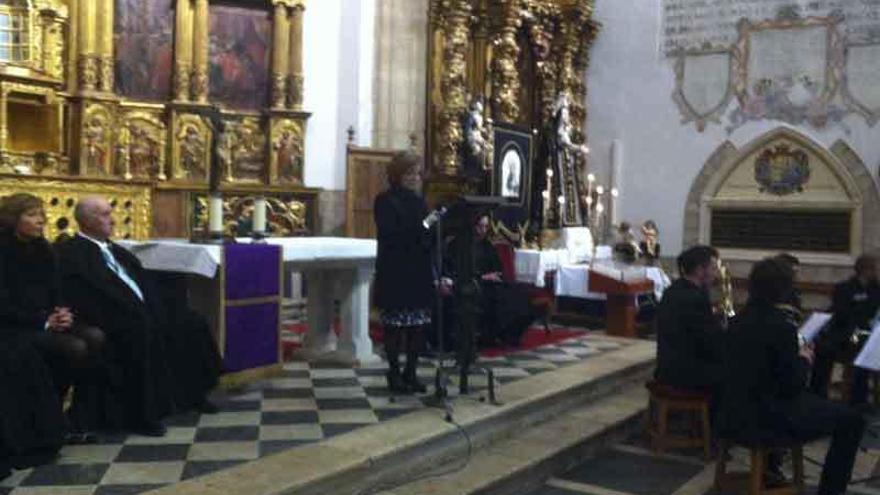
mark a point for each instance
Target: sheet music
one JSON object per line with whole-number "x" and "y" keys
{"x": 869, "y": 358}
{"x": 814, "y": 324}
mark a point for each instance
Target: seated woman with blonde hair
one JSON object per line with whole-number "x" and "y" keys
{"x": 31, "y": 309}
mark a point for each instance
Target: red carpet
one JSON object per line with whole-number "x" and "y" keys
{"x": 535, "y": 336}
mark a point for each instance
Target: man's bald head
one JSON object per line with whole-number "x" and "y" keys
{"x": 94, "y": 216}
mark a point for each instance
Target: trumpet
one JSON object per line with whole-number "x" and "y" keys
{"x": 725, "y": 306}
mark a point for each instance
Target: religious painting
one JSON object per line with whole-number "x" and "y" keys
{"x": 239, "y": 50}
{"x": 144, "y": 44}
{"x": 512, "y": 160}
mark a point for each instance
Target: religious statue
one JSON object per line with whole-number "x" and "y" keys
{"x": 225, "y": 151}
{"x": 565, "y": 156}
{"x": 144, "y": 155}
{"x": 477, "y": 149}
{"x": 123, "y": 142}
{"x": 192, "y": 151}
{"x": 649, "y": 246}
{"x": 289, "y": 156}
{"x": 96, "y": 151}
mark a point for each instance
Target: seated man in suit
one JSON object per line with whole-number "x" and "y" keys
{"x": 167, "y": 364}
{"x": 855, "y": 303}
{"x": 689, "y": 350}
{"x": 765, "y": 399}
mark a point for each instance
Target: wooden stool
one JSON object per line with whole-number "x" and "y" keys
{"x": 758, "y": 464}
{"x": 665, "y": 400}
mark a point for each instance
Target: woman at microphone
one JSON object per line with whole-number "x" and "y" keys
{"x": 404, "y": 277}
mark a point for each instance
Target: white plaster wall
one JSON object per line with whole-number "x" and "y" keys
{"x": 336, "y": 35}
{"x": 630, "y": 87}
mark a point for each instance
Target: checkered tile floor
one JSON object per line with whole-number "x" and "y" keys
{"x": 308, "y": 404}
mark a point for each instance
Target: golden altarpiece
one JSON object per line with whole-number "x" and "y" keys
{"x": 516, "y": 57}
{"x": 109, "y": 97}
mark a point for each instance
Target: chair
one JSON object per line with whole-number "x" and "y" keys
{"x": 541, "y": 299}
{"x": 758, "y": 464}
{"x": 666, "y": 400}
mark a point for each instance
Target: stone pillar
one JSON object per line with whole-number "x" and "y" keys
{"x": 105, "y": 46}
{"x": 280, "y": 54}
{"x": 295, "y": 67}
{"x": 182, "y": 50}
{"x": 86, "y": 63}
{"x": 199, "y": 78}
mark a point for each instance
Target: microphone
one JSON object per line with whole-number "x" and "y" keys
{"x": 434, "y": 217}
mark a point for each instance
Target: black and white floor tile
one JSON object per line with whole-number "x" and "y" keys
{"x": 308, "y": 404}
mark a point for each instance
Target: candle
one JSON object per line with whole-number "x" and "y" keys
{"x": 259, "y": 218}
{"x": 215, "y": 214}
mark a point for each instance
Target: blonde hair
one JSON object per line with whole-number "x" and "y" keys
{"x": 401, "y": 163}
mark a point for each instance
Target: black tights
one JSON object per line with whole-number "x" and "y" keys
{"x": 408, "y": 339}
{"x": 71, "y": 355}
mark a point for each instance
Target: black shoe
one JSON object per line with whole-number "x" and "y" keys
{"x": 412, "y": 383}
{"x": 395, "y": 382}
{"x": 80, "y": 438}
{"x": 151, "y": 429}
{"x": 207, "y": 407}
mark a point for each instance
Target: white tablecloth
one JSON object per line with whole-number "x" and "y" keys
{"x": 178, "y": 255}
{"x": 531, "y": 264}
{"x": 574, "y": 281}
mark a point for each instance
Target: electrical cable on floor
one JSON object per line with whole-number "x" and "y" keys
{"x": 432, "y": 473}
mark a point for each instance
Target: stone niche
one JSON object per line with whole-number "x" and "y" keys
{"x": 794, "y": 195}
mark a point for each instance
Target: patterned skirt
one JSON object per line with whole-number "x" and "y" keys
{"x": 401, "y": 318}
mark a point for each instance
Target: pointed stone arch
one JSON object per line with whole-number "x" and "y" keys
{"x": 856, "y": 188}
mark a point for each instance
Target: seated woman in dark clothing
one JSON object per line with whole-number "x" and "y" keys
{"x": 30, "y": 308}
{"x": 765, "y": 399}
{"x": 504, "y": 307}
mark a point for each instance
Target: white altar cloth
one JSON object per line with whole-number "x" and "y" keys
{"x": 334, "y": 268}
{"x": 574, "y": 281}
{"x": 532, "y": 264}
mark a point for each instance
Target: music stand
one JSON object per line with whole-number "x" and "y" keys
{"x": 462, "y": 215}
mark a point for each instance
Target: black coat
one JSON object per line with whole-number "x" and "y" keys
{"x": 689, "y": 338}
{"x": 765, "y": 376}
{"x": 853, "y": 306}
{"x": 28, "y": 284}
{"x": 404, "y": 276}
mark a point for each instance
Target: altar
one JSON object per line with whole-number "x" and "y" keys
{"x": 334, "y": 268}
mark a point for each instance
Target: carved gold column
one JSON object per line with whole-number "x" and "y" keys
{"x": 199, "y": 79}
{"x": 280, "y": 54}
{"x": 505, "y": 80}
{"x": 295, "y": 67}
{"x": 182, "y": 49}
{"x": 86, "y": 63}
{"x": 4, "y": 126}
{"x": 104, "y": 40}
{"x": 453, "y": 85}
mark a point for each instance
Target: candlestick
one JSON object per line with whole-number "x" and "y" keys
{"x": 259, "y": 218}
{"x": 215, "y": 216}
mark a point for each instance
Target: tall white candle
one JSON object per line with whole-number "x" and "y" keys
{"x": 215, "y": 214}
{"x": 260, "y": 215}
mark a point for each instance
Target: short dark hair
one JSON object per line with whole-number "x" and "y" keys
{"x": 770, "y": 281}
{"x": 865, "y": 262}
{"x": 695, "y": 257}
{"x": 401, "y": 163}
{"x": 789, "y": 259}
{"x": 12, "y": 207}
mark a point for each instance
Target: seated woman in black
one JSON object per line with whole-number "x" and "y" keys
{"x": 765, "y": 399}
{"x": 30, "y": 309}
{"x": 505, "y": 313}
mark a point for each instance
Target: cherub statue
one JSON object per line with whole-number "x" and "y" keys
{"x": 477, "y": 148}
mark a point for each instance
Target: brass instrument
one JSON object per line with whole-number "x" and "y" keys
{"x": 725, "y": 307}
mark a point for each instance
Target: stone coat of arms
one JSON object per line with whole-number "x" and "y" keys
{"x": 782, "y": 170}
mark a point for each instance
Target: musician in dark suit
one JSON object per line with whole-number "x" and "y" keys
{"x": 167, "y": 365}
{"x": 765, "y": 401}
{"x": 404, "y": 278}
{"x": 855, "y": 303}
{"x": 689, "y": 349}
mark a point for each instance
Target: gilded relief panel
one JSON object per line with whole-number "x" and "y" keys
{"x": 144, "y": 44}
{"x": 286, "y": 214}
{"x": 287, "y": 151}
{"x": 191, "y": 148}
{"x": 141, "y": 143}
{"x": 96, "y": 144}
{"x": 247, "y": 150}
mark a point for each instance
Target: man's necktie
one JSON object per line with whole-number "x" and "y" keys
{"x": 120, "y": 272}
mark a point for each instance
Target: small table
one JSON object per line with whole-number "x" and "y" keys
{"x": 621, "y": 300}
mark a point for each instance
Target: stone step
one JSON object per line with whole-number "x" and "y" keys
{"x": 521, "y": 463}
{"x": 394, "y": 452}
